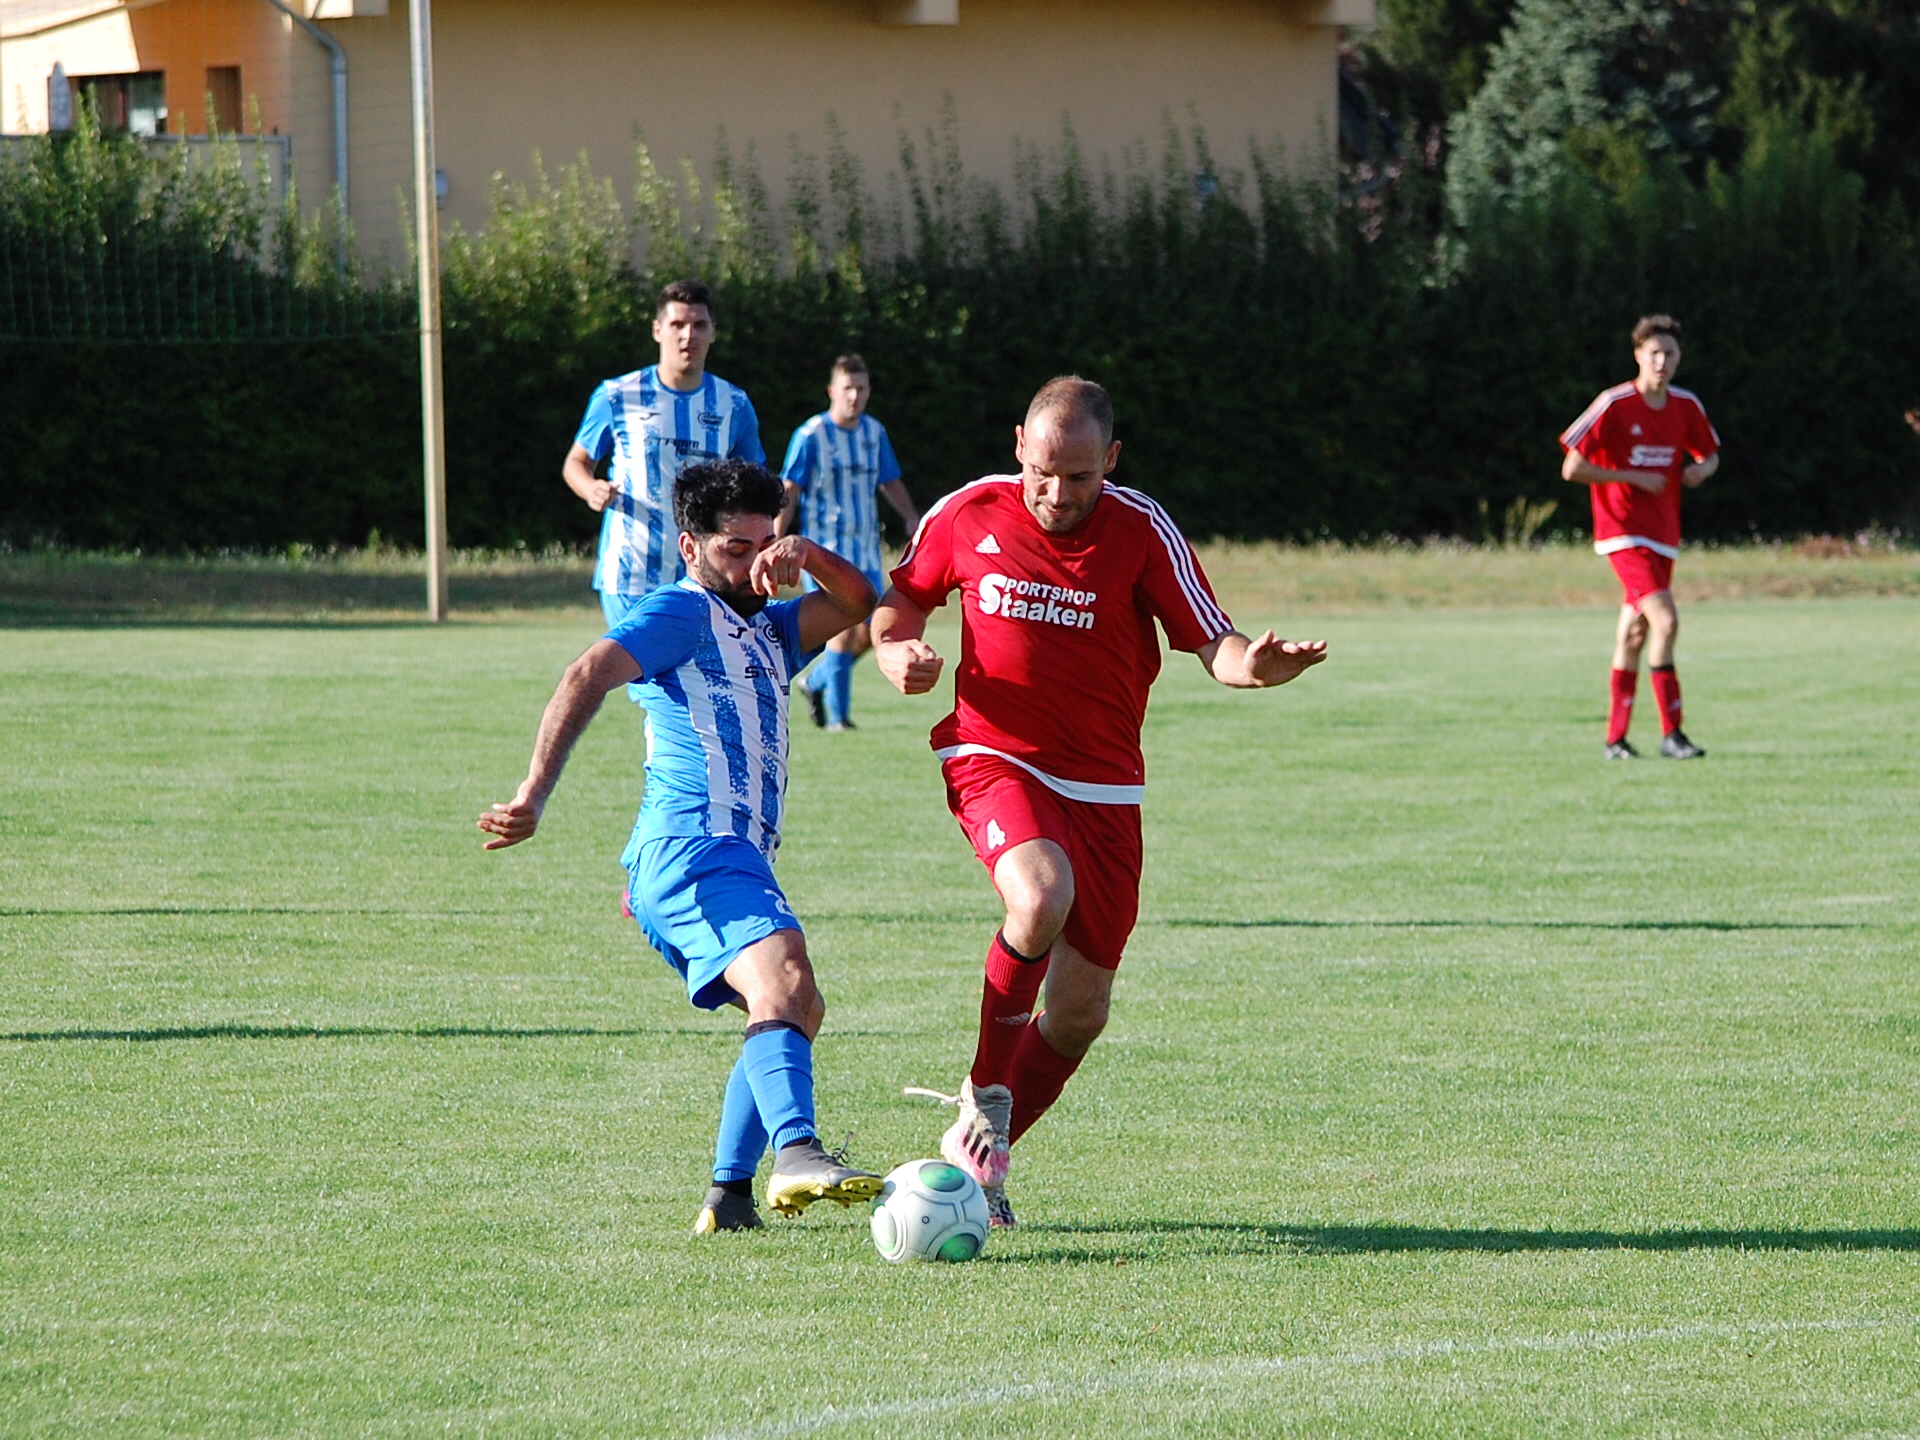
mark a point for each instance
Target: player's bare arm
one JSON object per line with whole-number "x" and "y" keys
{"x": 909, "y": 663}
{"x": 895, "y": 492}
{"x": 845, "y": 596}
{"x": 576, "y": 700}
{"x": 577, "y": 470}
{"x": 1582, "y": 471}
{"x": 1701, "y": 471}
{"x": 789, "y": 520}
{"x": 1244, "y": 664}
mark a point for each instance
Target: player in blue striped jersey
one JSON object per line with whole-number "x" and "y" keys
{"x": 836, "y": 464}
{"x": 712, "y": 659}
{"x": 652, "y": 424}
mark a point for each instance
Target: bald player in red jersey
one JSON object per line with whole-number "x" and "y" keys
{"x": 1061, "y": 578}
{"x": 1635, "y": 446}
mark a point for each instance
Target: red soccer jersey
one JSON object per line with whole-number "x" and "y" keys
{"x": 1057, "y": 646}
{"x": 1620, "y": 431}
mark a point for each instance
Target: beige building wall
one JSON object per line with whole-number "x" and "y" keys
{"x": 514, "y": 77}
{"x": 566, "y": 76}
{"x": 180, "y": 37}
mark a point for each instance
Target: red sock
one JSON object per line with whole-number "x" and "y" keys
{"x": 1040, "y": 1073}
{"x": 1620, "y": 712}
{"x": 1006, "y": 1007}
{"x": 1666, "y": 694}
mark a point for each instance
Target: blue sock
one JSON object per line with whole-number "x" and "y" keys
{"x": 836, "y": 678}
{"x": 778, "y": 1064}
{"x": 743, "y": 1139}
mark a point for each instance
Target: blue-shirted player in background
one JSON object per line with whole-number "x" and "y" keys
{"x": 713, "y": 659}
{"x": 654, "y": 423}
{"x": 836, "y": 463}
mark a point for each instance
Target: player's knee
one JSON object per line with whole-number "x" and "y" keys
{"x": 1074, "y": 1026}
{"x": 1035, "y": 881}
{"x": 1039, "y": 903}
{"x": 776, "y": 979}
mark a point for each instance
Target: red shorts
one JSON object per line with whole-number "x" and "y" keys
{"x": 999, "y": 805}
{"x": 1642, "y": 573}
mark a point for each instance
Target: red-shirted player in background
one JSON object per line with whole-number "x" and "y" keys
{"x": 1061, "y": 578}
{"x": 1631, "y": 445}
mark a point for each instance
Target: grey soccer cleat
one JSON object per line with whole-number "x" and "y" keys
{"x": 1676, "y": 746}
{"x": 806, "y": 1172}
{"x": 724, "y": 1210}
{"x": 1621, "y": 750}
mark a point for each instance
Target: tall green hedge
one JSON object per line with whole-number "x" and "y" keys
{"x": 1281, "y": 365}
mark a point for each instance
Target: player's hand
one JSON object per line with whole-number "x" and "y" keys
{"x": 1272, "y": 661}
{"x": 779, "y": 565}
{"x": 599, "y": 495}
{"x": 1694, "y": 476}
{"x": 913, "y": 666}
{"x": 512, "y": 822}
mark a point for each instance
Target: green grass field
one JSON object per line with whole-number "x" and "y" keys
{"x": 1459, "y": 1083}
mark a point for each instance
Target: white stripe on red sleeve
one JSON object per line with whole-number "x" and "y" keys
{"x": 1206, "y": 611}
{"x": 1602, "y": 402}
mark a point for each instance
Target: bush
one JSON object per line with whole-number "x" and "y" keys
{"x": 1280, "y": 370}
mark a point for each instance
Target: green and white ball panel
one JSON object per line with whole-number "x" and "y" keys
{"x": 929, "y": 1210}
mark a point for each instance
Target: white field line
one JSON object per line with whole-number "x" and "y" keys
{"x": 1143, "y": 1375}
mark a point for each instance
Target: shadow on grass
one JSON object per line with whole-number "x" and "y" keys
{"x": 1152, "y": 1239}
{"x": 1714, "y": 925}
{"x": 118, "y": 594}
{"x": 156, "y": 1033}
{"x": 350, "y": 1032}
{"x": 71, "y": 912}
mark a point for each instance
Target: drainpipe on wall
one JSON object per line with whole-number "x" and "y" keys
{"x": 337, "y": 63}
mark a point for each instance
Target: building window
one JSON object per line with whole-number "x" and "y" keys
{"x": 134, "y": 103}
{"x": 223, "y": 99}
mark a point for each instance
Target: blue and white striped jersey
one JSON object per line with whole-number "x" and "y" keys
{"x": 653, "y": 433}
{"x": 838, "y": 472}
{"x": 714, "y": 684}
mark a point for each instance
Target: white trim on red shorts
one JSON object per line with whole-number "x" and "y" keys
{"x": 1085, "y": 791}
{"x": 1614, "y": 543}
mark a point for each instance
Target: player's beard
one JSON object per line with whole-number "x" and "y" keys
{"x": 744, "y": 603}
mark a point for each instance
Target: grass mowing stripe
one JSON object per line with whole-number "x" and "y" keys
{"x": 1436, "y": 1026}
{"x": 1418, "y": 1351}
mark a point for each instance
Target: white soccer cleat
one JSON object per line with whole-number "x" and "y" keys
{"x": 977, "y": 1141}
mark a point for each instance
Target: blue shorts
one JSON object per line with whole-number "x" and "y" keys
{"x": 702, "y": 899}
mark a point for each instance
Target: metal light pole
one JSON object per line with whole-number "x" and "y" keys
{"x": 433, "y": 427}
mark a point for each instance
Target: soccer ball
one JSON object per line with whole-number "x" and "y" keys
{"x": 929, "y": 1210}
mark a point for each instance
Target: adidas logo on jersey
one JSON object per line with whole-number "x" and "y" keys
{"x": 1636, "y": 430}
{"x": 1015, "y": 599}
{"x": 988, "y": 546}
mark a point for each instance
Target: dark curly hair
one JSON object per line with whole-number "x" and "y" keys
{"x": 706, "y": 493}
